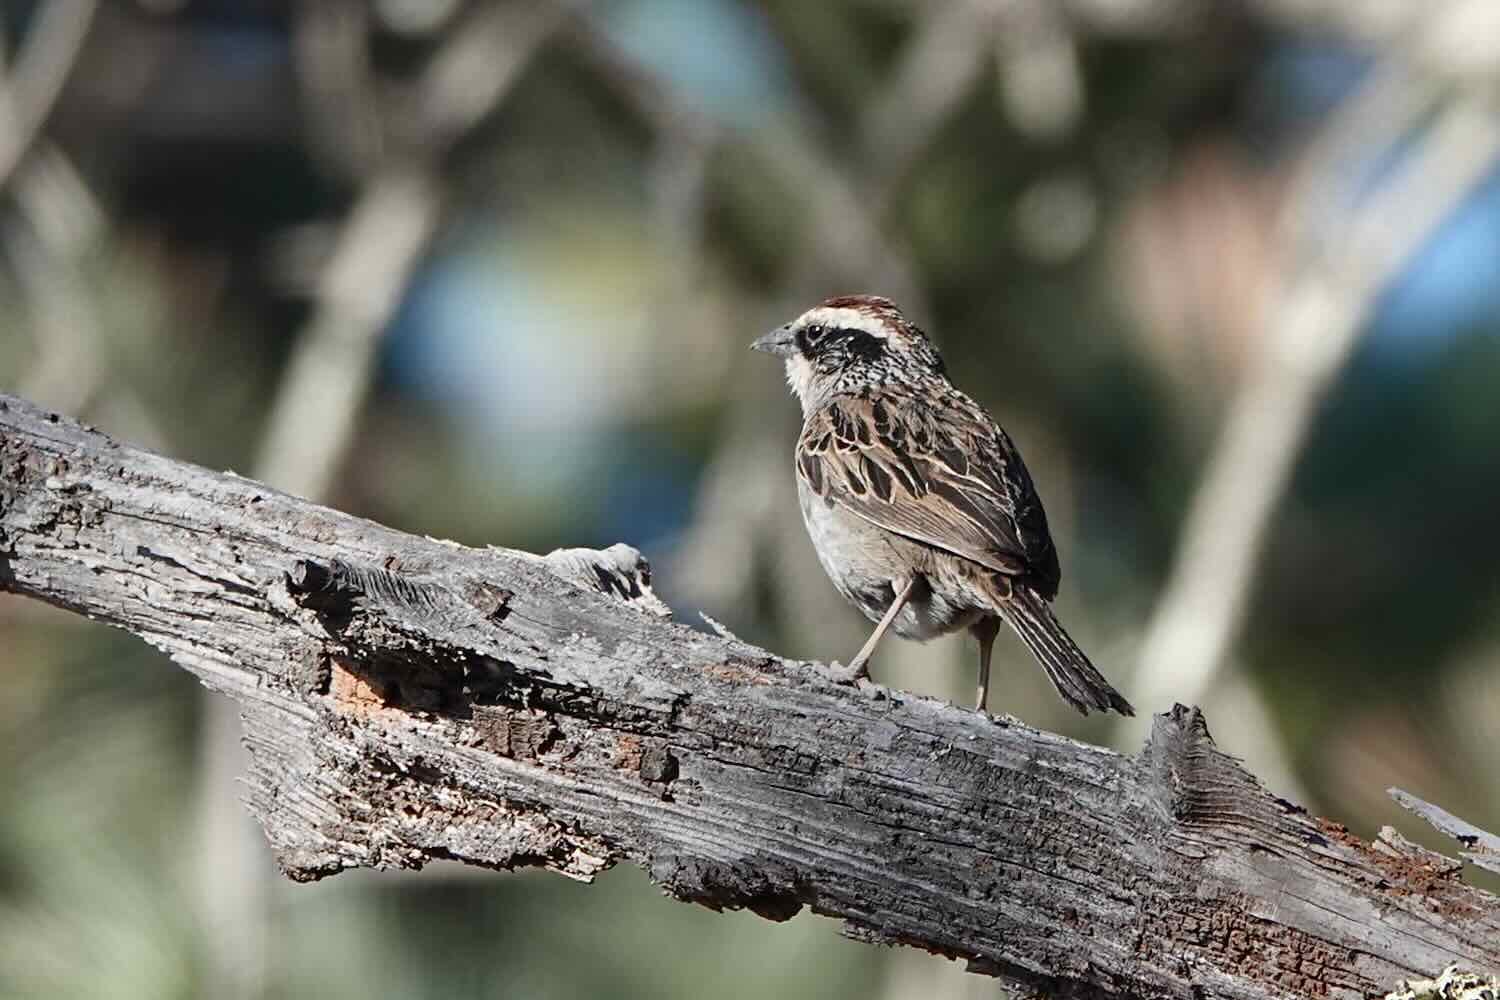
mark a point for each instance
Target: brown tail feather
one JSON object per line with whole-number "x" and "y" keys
{"x": 1067, "y": 666}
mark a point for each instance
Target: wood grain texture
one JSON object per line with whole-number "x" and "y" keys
{"x": 408, "y": 699}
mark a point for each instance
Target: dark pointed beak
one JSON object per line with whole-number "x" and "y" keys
{"x": 780, "y": 342}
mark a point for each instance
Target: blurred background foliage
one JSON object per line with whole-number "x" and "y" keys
{"x": 1229, "y": 272}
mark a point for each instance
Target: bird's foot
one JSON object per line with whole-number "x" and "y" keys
{"x": 856, "y": 671}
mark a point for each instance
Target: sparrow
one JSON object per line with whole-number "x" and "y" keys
{"x": 917, "y": 502}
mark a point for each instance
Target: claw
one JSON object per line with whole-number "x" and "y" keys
{"x": 851, "y": 675}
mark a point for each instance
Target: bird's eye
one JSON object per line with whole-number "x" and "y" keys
{"x": 809, "y": 337}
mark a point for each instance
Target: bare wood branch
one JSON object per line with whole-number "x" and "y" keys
{"x": 408, "y": 700}
{"x": 1484, "y": 847}
{"x": 378, "y": 248}
{"x": 1453, "y": 984}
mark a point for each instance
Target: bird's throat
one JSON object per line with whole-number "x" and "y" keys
{"x": 799, "y": 375}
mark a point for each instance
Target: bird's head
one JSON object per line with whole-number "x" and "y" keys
{"x": 849, "y": 343}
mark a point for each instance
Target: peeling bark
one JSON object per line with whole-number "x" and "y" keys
{"x": 407, "y": 699}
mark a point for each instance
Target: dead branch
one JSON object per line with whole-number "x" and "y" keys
{"x": 407, "y": 700}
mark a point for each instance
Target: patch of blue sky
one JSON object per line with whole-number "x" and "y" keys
{"x": 524, "y": 370}
{"x": 720, "y": 53}
{"x": 475, "y": 337}
{"x": 1451, "y": 286}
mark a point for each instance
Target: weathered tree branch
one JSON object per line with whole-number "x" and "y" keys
{"x": 1483, "y": 847}
{"x": 407, "y": 699}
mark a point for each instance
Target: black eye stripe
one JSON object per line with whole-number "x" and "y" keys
{"x": 817, "y": 338}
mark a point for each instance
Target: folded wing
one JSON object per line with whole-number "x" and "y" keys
{"x": 941, "y": 473}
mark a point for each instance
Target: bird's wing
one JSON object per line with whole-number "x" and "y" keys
{"x": 939, "y": 472}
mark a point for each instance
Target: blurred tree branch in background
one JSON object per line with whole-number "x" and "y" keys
{"x": 37, "y": 77}
{"x": 394, "y": 150}
{"x": 408, "y": 700}
{"x": 1335, "y": 255}
{"x": 1335, "y": 271}
{"x": 393, "y": 218}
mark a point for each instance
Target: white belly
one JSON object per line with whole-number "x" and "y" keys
{"x": 867, "y": 564}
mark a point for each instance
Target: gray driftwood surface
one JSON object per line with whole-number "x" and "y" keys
{"x": 408, "y": 699}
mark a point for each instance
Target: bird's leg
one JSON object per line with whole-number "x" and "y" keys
{"x": 859, "y": 666}
{"x": 985, "y": 631}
